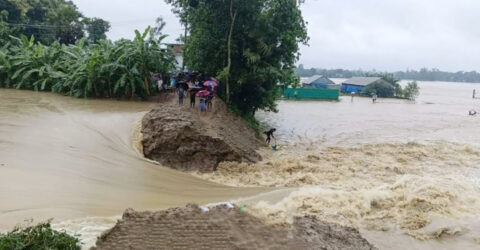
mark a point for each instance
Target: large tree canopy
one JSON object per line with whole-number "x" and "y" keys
{"x": 250, "y": 45}
{"x": 50, "y": 21}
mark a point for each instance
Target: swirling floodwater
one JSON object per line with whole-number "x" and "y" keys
{"x": 406, "y": 174}
{"x": 77, "y": 161}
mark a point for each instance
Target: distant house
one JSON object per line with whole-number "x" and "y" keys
{"x": 318, "y": 81}
{"x": 359, "y": 84}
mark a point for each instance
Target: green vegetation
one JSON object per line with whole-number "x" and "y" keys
{"x": 249, "y": 45}
{"x": 107, "y": 69}
{"x": 50, "y": 21}
{"x": 411, "y": 91}
{"x": 387, "y": 89}
{"x": 391, "y": 88}
{"x": 381, "y": 89}
{"x": 38, "y": 237}
{"x": 58, "y": 56}
{"x": 423, "y": 74}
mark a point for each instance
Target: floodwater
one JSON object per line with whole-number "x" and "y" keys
{"x": 439, "y": 113}
{"x": 406, "y": 174}
{"x": 72, "y": 159}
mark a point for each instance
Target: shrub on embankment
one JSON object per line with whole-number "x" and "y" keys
{"x": 38, "y": 237}
{"x": 107, "y": 69}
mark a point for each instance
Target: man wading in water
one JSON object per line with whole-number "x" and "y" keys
{"x": 269, "y": 134}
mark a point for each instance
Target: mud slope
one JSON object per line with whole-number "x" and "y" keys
{"x": 223, "y": 228}
{"x": 182, "y": 138}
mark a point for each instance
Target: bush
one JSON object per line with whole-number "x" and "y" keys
{"x": 382, "y": 89}
{"x": 38, "y": 237}
{"x": 411, "y": 91}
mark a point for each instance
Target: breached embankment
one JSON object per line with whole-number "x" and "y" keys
{"x": 182, "y": 138}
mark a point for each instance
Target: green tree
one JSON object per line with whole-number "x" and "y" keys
{"x": 65, "y": 21}
{"x": 411, "y": 91}
{"x": 390, "y": 78}
{"x": 50, "y": 21}
{"x": 250, "y": 45}
{"x": 96, "y": 29}
{"x": 156, "y": 31}
{"x": 381, "y": 89}
{"x": 13, "y": 10}
{"x": 4, "y": 29}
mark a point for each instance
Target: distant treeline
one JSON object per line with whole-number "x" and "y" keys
{"x": 423, "y": 74}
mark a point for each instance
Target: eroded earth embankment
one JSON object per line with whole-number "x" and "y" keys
{"x": 223, "y": 227}
{"x": 182, "y": 138}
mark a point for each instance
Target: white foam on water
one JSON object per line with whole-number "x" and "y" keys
{"x": 87, "y": 229}
{"x": 378, "y": 187}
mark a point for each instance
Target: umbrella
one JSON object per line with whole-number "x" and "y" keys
{"x": 210, "y": 84}
{"x": 203, "y": 93}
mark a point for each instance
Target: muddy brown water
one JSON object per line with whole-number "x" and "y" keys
{"x": 78, "y": 161}
{"x": 68, "y": 159}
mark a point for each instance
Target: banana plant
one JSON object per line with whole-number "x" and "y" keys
{"x": 106, "y": 69}
{"x": 34, "y": 66}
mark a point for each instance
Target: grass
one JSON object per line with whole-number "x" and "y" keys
{"x": 39, "y": 237}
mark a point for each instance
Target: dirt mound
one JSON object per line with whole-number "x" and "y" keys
{"x": 222, "y": 227}
{"x": 182, "y": 138}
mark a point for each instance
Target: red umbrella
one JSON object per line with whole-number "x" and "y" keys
{"x": 210, "y": 84}
{"x": 203, "y": 93}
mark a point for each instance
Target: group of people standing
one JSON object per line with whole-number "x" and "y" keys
{"x": 188, "y": 84}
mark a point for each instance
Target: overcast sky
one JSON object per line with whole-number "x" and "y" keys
{"x": 368, "y": 34}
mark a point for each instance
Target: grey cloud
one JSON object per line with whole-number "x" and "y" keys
{"x": 367, "y": 34}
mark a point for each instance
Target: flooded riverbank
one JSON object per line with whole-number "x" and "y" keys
{"x": 404, "y": 173}
{"x": 69, "y": 159}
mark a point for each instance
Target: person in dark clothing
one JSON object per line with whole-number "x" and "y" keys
{"x": 181, "y": 94}
{"x": 210, "y": 101}
{"x": 269, "y": 134}
{"x": 192, "y": 99}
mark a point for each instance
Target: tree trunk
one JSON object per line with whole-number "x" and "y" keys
{"x": 147, "y": 86}
{"x": 184, "y": 43}
{"x": 229, "y": 51}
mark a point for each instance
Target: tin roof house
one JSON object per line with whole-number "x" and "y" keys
{"x": 359, "y": 84}
{"x": 318, "y": 81}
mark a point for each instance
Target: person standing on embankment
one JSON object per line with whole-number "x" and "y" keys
{"x": 270, "y": 135}
{"x": 181, "y": 94}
